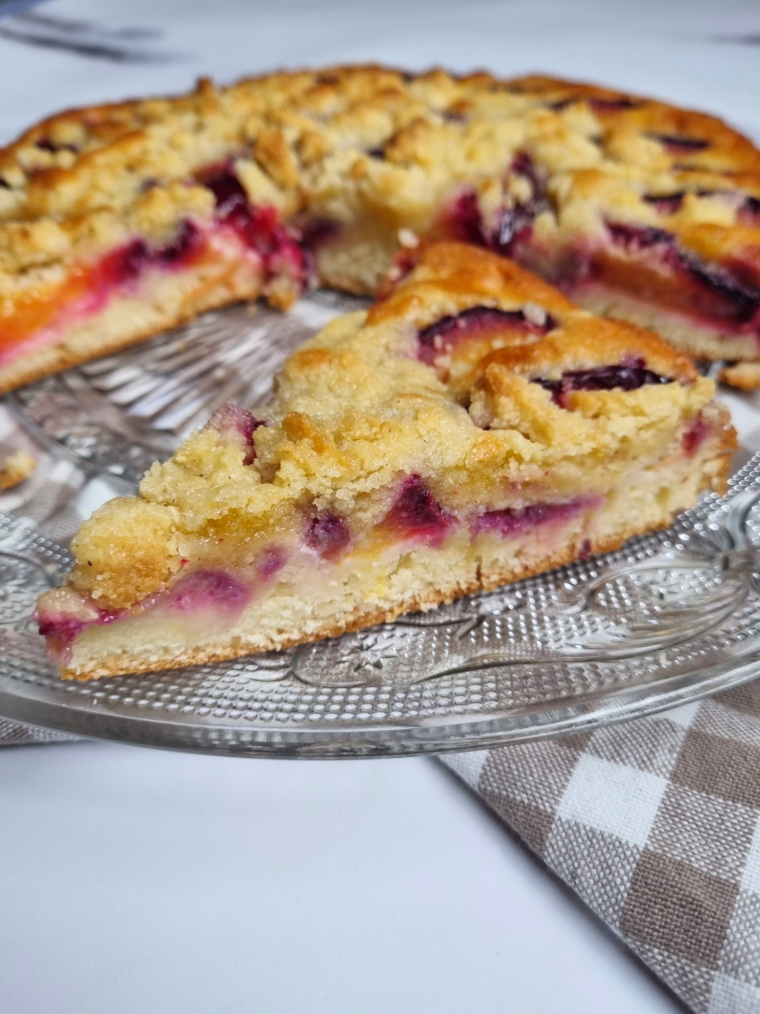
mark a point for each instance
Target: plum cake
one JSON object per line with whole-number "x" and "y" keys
{"x": 118, "y": 221}
{"x": 473, "y": 427}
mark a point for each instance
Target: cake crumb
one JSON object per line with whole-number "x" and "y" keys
{"x": 17, "y": 467}
{"x": 745, "y": 376}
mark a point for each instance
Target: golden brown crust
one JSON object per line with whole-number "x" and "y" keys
{"x": 745, "y": 376}
{"x": 134, "y": 550}
{"x": 380, "y": 152}
{"x": 464, "y": 276}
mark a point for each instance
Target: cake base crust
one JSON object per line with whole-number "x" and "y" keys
{"x": 714, "y": 467}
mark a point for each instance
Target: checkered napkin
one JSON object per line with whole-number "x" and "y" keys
{"x": 655, "y": 824}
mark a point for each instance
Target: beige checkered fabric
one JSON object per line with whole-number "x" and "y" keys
{"x": 655, "y": 824}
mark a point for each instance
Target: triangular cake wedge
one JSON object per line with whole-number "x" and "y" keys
{"x": 472, "y": 428}
{"x": 119, "y": 221}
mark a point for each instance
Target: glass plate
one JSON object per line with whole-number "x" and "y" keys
{"x": 671, "y": 617}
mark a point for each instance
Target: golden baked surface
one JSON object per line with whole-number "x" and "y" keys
{"x": 549, "y": 171}
{"x": 357, "y": 409}
{"x": 374, "y": 134}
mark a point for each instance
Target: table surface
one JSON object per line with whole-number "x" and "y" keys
{"x": 141, "y": 881}
{"x": 134, "y": 880}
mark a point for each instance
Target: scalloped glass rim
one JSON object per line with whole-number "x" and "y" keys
{"x": 391, "y": 740}
{"x": 671, "y": 617}
{"x": 714, "y": 547}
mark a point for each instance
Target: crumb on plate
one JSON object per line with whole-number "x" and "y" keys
{"x": 15, "y": 468}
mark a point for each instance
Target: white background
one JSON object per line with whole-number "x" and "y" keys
{"x": 134, "y": 881}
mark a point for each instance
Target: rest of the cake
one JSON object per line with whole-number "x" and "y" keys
{"x": 472, "y": 428}
{"x": 119, "y": 221}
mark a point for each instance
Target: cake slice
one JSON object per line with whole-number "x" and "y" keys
{"x": 472, "y": 428}
{"x": 118, "y": 221}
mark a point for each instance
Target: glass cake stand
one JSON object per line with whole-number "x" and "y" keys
{"x": 671, "y": 617}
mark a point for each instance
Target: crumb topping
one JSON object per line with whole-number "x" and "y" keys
{"x": 125, "y": 552}
{"x": 348, "y": 144}
{"x": 359, "y": 417}
{"x": 16, "y": 468}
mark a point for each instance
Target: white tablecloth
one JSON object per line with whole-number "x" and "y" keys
{"x": 133, "y": 880}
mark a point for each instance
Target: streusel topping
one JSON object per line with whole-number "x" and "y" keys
{"x": 344, "y": 142}
{"x": 468, "y": 368}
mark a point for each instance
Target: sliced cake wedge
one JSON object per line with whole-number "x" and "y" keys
{"x": 472, "y": 428}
